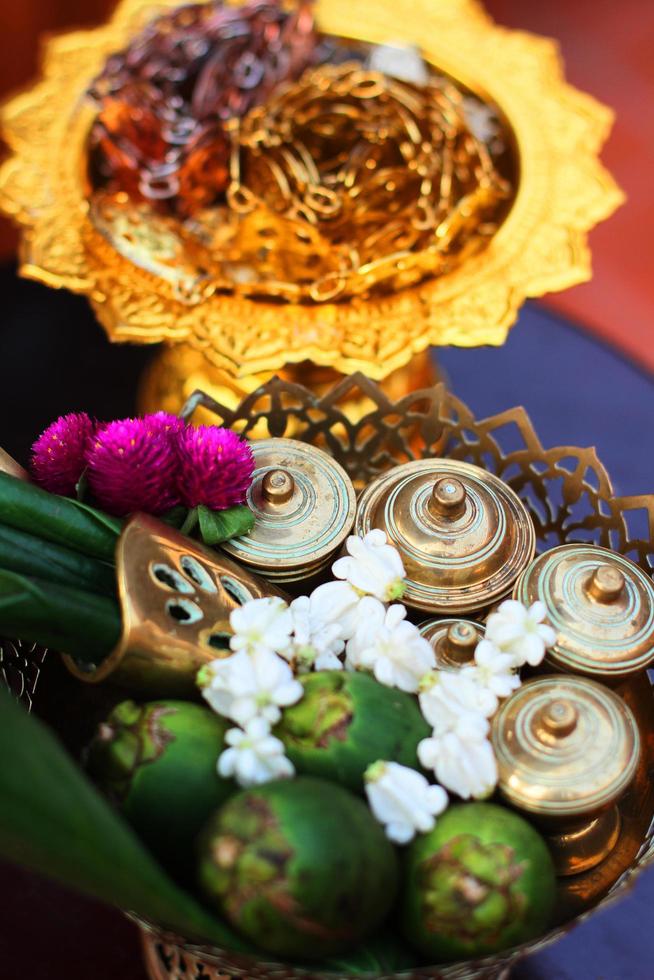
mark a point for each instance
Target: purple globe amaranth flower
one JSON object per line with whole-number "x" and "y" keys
{"x": 132, "y": 466}
{"x": 59, "y": 453}
{"x": 166, "y": 423}
{"x": 215, "y": 467}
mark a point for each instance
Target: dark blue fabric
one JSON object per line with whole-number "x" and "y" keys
{"x": 577, "y": 391}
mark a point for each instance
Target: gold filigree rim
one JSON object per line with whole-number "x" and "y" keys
{"x": 541, "y": 246}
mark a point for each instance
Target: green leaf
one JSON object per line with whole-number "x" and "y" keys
{"x": 83, "y": 624}
{"x": 175, "y": 517}
{"x": 82, "y": 485}
{"x": 29, "y": 555}
{"x": 190, "y": 521}
{"x": 61, "y": 520}
{"x": 54, "y": 821}
{"x": 221, "y": 525}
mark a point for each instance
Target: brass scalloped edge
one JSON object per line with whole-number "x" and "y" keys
{"x": 542, "y": 245}
{"x": 570, "y": 497}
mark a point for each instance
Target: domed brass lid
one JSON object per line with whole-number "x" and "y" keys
{"x": 463, "y": 534}
{"x": 601, "y": 605}
{"x": 453, "y": 640}
{"x": 565, "y": 746}
{"x": 304, "y": 505}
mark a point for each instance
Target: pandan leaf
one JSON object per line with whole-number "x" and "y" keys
{"x": 54, "y": 821}
{"x": 83, "y": 624}
{"x": 61, "y": 520}
{"x": 221, "y": 525}
{"x": 29, "y": 555}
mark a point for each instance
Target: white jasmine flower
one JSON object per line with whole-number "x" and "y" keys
{"x": 464, "y": 764}
{"x": 317, "y": 642}
{"x": 449, "y": 698}
{"x": 244, "y": 686}
{"x": 520, "y": 632}
{"x": 254, "y": 756}
{"x": 493, "y": 670}
{"x": 372, "y": 566}
{"x": 337, "y": 602}
{"x": 261, "y": 624}
{"x": 402, "y": 800}
{"x": 389, "y": 646}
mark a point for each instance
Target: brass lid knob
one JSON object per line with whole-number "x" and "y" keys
{"x": 304, "y": 505}
{"x": 463, "y": 534}
{"x": 453, "y": 640}
{"x": 605, "y": 584}
{"x": 277, "y": 487}
{"x": 601, "y": 606}
{"x": 565, "y": 746}
{"x": 559, "y": 719}
{"x": 448, "y": 498}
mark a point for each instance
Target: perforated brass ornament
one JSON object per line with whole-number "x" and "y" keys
{"x": 570, "y": 498}
{"x": 463, "y": 535}
{"x": 601, "y": 605}
{"x": 567, "y": 748}
{"x": 303, "y": 504}
{"x": 453, "y": 641}
{"x": 157, "y": 293}
{"x": 175, "y": 599}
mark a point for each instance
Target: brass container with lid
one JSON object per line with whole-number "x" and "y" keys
{"x": 601, "y": 605}
{"x": 463, "y": 534}
{"x": 453, "y": 641}
{"x": 304, "y": 505}
{"x": 567, "y": 748}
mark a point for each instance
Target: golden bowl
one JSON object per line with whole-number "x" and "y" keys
{"x": 230, "y": 344}
{"x": 570, "y": 498}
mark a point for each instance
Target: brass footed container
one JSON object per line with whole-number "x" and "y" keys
{"x": 137, "y": 277}
{"x": 567, "y": 749}
{"x": 394, "y": 431}
{"x": 602, "y": 606}
{"x": 464, "y": 535}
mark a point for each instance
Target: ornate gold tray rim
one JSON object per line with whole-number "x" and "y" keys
{"x": 542, "y": 245}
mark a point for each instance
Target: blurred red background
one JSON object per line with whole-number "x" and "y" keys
{"x": 607, "y": 48}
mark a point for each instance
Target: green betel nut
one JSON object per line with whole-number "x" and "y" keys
{"x": 158, "y": 763}
{"x": 480, "y": 882}
{"x": 346, "y": 721}
{"x": 300, "y": 867}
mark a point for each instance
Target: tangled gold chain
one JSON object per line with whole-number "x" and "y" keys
{"x": 349, "y": 179}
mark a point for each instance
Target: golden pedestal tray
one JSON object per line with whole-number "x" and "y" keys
{"x": 570, "y": 498}
{"x": 228, "y": 344}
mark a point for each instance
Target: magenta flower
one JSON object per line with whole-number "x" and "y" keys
{"x": 132, "y": 466}
{"x": 59, "y": 454}
{"x": 215, "y": 467}
{"x": 163, "y": 422}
